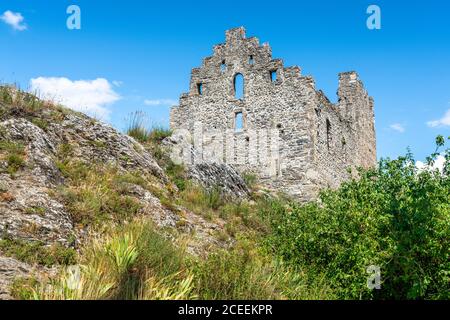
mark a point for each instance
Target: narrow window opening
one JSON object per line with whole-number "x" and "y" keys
{"x": 200, "y": 88}
{"x": 273, "y": 75}
{"x": 223, "y": 66}
{"x": 251, "y": 60}
{"x": 328, "y": 134}
{"x": 238, "y": 122}
{"x": 239, "y": 86}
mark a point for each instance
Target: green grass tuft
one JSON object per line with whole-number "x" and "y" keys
{"x": 37, "y": 252}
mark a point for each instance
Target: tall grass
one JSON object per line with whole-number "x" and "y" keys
{"x": 97, "y": 193}
{"x": 14, "y": 154}
{"x": 131, "y": 262}
{"x": 137, "y": 126}
{"x": 140, "y": 128}
{"x": 245, "y": 273}
{"x": 136, "y": 262}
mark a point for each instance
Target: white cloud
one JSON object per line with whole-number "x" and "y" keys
{"x": 438, "y": 164}
{"x": 14, "y": 19}
{"x": 161, "y": 102}
{"x": 397, "y": 127}
{"x": 88, "y": 96}
{"x": 444, "y": 121}
{"x": 117, "y": 83}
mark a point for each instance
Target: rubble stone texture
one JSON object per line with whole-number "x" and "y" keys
{"x": 292, "y": 136}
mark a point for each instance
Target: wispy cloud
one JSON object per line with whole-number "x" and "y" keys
{"x": 444, "y": 121}
{"x": 397, "y": 127}
{"x": 160, "y": 102}
{"x": 89, "y": 96}
{"x": 438, "y": 164}
{"x": 14, "y": 19}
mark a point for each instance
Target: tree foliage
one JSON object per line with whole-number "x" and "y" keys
{"x": 396, "y": 217}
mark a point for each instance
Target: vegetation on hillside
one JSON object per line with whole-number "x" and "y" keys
{"x": 395, "y": 216}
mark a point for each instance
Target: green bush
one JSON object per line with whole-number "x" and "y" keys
{"x": 395, "y": 217}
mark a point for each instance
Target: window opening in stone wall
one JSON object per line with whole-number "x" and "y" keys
{"x": 238, "y": 122}
{"x": 273, "y": 75}
{"x": 328, "y": 134}
{"x": 239, "y": 86}
{"x": 200, "y": 88}
{"x": 223, "y": 66}
{"x": 251, "y": 60}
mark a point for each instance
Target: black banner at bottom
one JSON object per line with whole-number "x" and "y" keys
{"x": 224, "y": 309}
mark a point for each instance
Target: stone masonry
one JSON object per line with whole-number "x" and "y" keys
{"x": 291, "y": 136}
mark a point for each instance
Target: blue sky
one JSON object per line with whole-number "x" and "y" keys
{"x": 143, "y": 53}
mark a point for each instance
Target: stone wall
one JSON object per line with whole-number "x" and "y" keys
{"x": 292, "y": 136}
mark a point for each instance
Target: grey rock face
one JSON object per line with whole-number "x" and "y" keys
{"x": 104, "y": 144}
{"x": 209, "y": 174}
{"x": 292, "y": 136}
{"x": 11, "y": 269}
{"x": 220, "y": 175}
{"x": 29, "y": 211}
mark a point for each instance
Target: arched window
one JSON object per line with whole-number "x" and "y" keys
{"x": 238, "y": 86}
{"x": 273, "y": 75}
{"x": 223, "y": 66}
{"x": 200, "y": 88}
{"x": 238, "y": 122}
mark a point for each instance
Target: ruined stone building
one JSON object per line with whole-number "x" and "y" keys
{"x": 249, "y": 110}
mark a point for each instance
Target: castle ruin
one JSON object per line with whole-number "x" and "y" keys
{"x": 275, "y": 123}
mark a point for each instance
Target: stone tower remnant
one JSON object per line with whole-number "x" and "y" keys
{"x": 246, "y": 109}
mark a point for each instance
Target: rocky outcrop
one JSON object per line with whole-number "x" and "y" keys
{"x": 9, "y": 270}
{"x": 29, "y": 208}
{"x": 209, "y": 174}
{"x": 12, "y": 269}
{"x": 219, "y": 175}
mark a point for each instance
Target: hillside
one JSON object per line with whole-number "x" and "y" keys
{"x": 63, "y": 175}
{"x": 87, "y": 212}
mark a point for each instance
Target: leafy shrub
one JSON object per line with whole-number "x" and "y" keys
{"x": 395, "y": 216}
